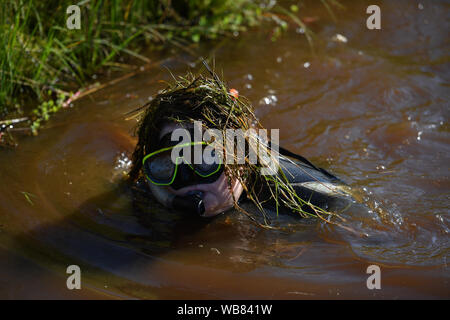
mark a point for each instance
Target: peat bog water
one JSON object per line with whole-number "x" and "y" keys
{"x": 373, "y": 110}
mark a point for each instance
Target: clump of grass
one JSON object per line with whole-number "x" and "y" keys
{"x": 207, "y": 99}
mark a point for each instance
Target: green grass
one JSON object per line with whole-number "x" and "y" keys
{"x": 42, "y": 61}
{"x": 38, "y": 53}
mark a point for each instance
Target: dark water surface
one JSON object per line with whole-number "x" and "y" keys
{"x": 373, "y": 110}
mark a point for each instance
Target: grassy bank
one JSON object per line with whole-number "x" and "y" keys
{"x": 38, "y": 53}
{"x": 42, "y": 60}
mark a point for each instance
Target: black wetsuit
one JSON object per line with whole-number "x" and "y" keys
{"x": 312, "y": 184}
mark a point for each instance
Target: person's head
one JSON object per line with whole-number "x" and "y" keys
{"x": 204, "y": 101}
{"x": 205, "y": 181}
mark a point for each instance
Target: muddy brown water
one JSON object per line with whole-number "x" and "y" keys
{"x": 373, "y": 111}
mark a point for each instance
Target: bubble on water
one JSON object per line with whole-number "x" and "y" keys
{"x": 444, "y": 226}
{"x": 248, "y": 86}
{"x": 420, "y": 6}
{"x": 419, "y": 134}
{"x": 123, "y": 163}
{"x": 300, "y": 30}
{"x": 397, "y": 218}
{"x": 306, "y": 65}
{"x": 269, "y": 100}
{"x": 249, "y": 77}
{"x": 279, "y": 59}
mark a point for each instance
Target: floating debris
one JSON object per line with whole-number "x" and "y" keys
{"x": 339, "y": 38}
{"x": 28, "y": 197}
{"x": 215, "y": 250}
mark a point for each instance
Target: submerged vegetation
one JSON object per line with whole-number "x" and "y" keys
{"x": 42, "y": 61}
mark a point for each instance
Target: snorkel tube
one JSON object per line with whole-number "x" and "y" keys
{"x": 192, "y": 203}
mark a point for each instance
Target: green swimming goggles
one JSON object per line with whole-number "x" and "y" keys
{"x": 160, "y": 170}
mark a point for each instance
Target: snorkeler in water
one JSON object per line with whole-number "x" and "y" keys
{"x": 267, "y": 174}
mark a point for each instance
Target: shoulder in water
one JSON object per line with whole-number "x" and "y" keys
{"x": 201, "y": 152}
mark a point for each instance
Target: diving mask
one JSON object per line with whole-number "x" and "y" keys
{"x": 161, "y": 169}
